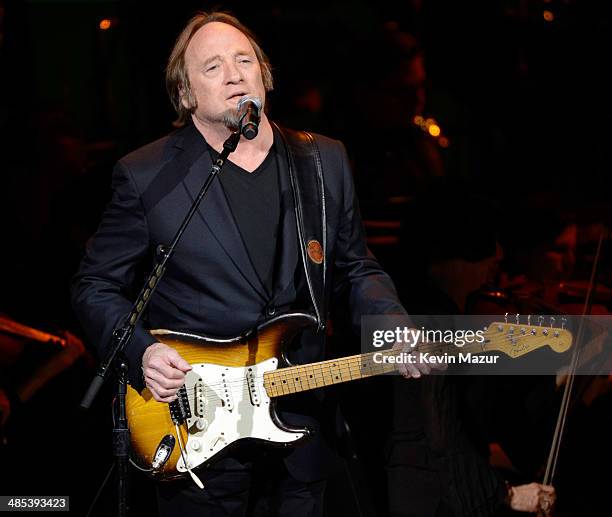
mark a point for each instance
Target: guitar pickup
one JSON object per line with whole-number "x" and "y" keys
{"x": 226, "y": 392}
{"x": 252, "y": 387}
{"x": 200, "y": 399}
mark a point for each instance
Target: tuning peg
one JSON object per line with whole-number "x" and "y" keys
{"x": 563, "y": 322}
{"x": 529, "y": 320}
{"x": 540, "y": 320}
{"x": 517, "y": 319}
{"x": 506, "y": 317}
{"x": 552, "y": 321}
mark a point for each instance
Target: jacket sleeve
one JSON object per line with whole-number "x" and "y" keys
{"x": 100, "y": 289}
{"x": 357, "y": 274}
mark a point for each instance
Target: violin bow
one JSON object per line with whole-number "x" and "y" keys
{"x": 553, "y": 455}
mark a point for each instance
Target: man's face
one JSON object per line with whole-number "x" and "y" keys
{"x": 222, "y": 67}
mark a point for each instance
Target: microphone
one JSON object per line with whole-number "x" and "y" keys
{"x": 163, "y": 452}
{"x": 248, "y": 112}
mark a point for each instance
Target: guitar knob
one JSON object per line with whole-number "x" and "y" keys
{"x": 201, "y": 424}
{"x": 195, "y": 445}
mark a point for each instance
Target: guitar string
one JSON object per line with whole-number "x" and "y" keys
{"x": 345, "y": 367}
{"x": 357, "y": 358}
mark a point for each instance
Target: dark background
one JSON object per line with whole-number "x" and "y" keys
{"x": 524, "y": 102}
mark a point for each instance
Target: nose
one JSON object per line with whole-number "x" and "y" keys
{"x": 233, "y": 74}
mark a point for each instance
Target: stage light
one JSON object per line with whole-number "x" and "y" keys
{"x": 105, "y": 24}
{"x": 549, "y": 16}
{"x": 434, "y": 130}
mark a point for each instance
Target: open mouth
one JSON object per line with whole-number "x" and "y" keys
{"x": 236, "y": 97}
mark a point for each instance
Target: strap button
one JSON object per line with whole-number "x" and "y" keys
{"x": 271, "y": 310}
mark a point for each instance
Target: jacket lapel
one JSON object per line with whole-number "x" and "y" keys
{"x": 214, "y": 209}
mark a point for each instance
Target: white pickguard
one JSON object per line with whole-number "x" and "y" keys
{"x": 228, "y": 404}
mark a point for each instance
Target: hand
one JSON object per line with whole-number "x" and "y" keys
{"x": 414, "y": 370}
{"x": 164, "y": 371}
{"x": 532, "y": 498}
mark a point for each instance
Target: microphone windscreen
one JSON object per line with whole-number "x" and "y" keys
{"x": 248, "y": 98}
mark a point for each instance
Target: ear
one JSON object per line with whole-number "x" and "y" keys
{"x": 183, "y": 96}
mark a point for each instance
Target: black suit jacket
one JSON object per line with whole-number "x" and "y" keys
{"x": 210, "y": 285}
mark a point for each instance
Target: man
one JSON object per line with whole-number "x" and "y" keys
{"x": 267, "y": 239}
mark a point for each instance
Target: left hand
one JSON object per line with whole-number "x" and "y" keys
{"x": 532, "y": 498}
{"x": 418, "y": 367}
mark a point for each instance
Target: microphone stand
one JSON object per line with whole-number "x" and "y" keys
{"x": 122, "y": 336}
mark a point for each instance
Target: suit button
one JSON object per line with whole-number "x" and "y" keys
{"x": 271, "y": 311}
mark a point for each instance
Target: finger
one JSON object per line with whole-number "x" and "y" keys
{"x": 549, "y": 489}
{"x": 401, "y": 368}
{"x": 166, "y": 369}
{"x": 160, "y": 394}
{"x": 159, "y": 390}
{"x": 423, "y": 368}
{"x": 412, "y": 371}
{"x": 162, "y": 381}
{"x": 438, "y": 366}
{"x": 166, "y": 400}
{"x": 178, "y": 362}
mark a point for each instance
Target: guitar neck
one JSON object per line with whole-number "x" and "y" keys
{"x": 306, "y": 377}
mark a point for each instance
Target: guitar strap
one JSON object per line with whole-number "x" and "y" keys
{"x": 306, "y": 176}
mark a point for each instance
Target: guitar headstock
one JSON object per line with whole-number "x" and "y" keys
{"x": 517, "y": 339}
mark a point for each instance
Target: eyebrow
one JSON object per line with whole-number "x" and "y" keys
{"x": 218, "y": 56}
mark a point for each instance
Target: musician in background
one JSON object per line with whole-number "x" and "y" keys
{"x": 439, "y": 444}
{"x": 539, "y": 259}
{"x": 16, "y": 389}
{"x": 249, "y": 254}
{"x": 37, "y": 383}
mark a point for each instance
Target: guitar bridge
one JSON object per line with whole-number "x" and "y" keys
{"x": 179, "y": 408}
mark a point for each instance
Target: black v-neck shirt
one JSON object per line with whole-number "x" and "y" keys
{"x": 254, "y": 199}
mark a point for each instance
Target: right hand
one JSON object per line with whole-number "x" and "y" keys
{"x": 164, "y": 371}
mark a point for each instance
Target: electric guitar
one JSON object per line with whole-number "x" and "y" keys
{"x": 228, "y": 396}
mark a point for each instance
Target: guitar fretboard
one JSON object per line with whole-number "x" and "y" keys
{"x": 325, "y": 373}
{"x": 513, "y": 342}
{"x": 317, "y": 375}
